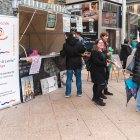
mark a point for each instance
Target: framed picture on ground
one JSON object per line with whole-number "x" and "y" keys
{"x": 49, "y": 84}
{"x": 63, "y": 77}
{"x": 27, "y": 88}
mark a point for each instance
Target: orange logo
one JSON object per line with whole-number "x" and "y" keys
{"x": 2, "y": 35}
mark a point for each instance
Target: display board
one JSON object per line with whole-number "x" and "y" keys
{"x": 9, "y": 59}
{"x": 51, "y": 21}
{"x": 117, "y": 63}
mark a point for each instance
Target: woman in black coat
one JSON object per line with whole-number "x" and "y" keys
{"x": 125, "y": 52}
{"x": 98, "y": 71}
{"x": 136, "y": 74}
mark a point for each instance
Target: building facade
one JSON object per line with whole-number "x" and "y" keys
{"x": 6, "y": 7}
{"x": 132, "y": 17}
{"x": 110, "y": 18}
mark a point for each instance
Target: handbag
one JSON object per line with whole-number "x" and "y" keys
{"x": 130, "y": 65}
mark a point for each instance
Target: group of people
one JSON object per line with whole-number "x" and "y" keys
{"x": 73, "y": 50}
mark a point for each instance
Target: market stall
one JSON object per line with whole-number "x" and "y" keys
{"x": 40, "y": 44}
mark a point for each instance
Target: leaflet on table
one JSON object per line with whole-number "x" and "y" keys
{"x": 35, "y": 66}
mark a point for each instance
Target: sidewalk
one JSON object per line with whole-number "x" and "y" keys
{"x": 54, "y": 117}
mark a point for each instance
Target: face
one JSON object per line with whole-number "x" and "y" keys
{"x": 105, "y": 38}
{"x": 77, "y": 35}
{"x": 100, "y": 44}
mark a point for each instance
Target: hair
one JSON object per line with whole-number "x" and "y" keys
{"x": 126, "y": 41}
{"x": 79, "y": 33}
{"x": 95, "y": 44}
{"x": 103, "y": 34}
{"x": 68, "y": 35}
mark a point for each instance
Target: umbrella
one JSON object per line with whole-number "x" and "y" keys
{"x": 131, "y": 89}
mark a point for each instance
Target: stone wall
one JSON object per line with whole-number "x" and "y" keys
{"x": 6, "y": 7}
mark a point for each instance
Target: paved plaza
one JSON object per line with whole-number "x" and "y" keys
{"x": 54, "y": 117}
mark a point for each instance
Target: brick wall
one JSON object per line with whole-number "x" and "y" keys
{"x": 6, "y": 7}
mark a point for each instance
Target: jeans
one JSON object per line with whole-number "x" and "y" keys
{"x": 77, "y": 74}
{"x": 138, "y": 100}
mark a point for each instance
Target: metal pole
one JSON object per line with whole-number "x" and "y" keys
{"x": 123, "y": 35}
{"x": 100, "y": 18}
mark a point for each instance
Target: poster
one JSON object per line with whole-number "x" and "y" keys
{"x": 79, "y": 24}
{"x": 117, "y": 63}
{"x": 27, "y": 88}
{"x": 9, "y": 61}
{"x": 66, "y": 23}
{"x": 51, "y": 21}
{"x": 35, "y": 66}
{"x": 49, "y": 84}
{"x": 90, "y": 11}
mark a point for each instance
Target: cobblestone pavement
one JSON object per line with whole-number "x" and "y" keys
{"x": 54, "y": 117}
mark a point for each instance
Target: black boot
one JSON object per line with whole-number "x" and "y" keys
{"x": 99, "y": 102}
{"x": 106, "y": 92}
{"x": 103, "y": 96}
{"x": 93, "y": 99}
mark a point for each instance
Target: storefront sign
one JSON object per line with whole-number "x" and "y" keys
{"x": 66, "y": 23}
{"x": 35, "y": 66}
{"x": 9, "y": 61}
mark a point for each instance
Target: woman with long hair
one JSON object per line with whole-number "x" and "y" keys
{"x": 99, "y": 63}
{"x": 136, "y": 74}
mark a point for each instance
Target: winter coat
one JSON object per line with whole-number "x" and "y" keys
{"x": 125, "y": 52}
{"x": 98, "y": 67}
{"x": 72, "y": 50}
{"x": 136, "y": 71}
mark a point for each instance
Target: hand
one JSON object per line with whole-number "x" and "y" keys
{"x": 108, "y": 60}
{"x": 108, "y": 64}
{"x": 109, "y": 53}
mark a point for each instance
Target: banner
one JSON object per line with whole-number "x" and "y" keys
{"x": 9, "y": 61}
{"x": 66, "y": 23}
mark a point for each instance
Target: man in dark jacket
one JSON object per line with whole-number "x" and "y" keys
{"x": 125, "y": 52}
{"x": 73, "y": 50}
